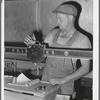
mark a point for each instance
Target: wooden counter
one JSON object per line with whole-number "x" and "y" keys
{"x": 18, "y": 92}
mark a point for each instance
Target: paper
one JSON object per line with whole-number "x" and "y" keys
{"x": 22, "y": 78}
{"x": 24, "y": 85}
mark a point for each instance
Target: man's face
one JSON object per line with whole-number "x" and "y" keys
{"x": 63, "y": 20}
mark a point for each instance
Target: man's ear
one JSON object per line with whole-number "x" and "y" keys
{"x": 71, "y": 17}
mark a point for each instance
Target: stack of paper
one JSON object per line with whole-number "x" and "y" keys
{"x": 21, "y": 80}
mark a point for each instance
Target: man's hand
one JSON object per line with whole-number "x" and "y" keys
{"x": 29, "y": 40}
{"x": 56, "y": 81}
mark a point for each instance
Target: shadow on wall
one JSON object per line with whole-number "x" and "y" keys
{"x": 79, "y": 9}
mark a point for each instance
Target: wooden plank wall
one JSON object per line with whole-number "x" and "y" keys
{"x": 23, "y": 17}
{"x": 20, "y": 19}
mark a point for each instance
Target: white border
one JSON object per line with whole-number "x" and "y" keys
{"x": 95, "y": 49}
{"x": 2, "y": 50}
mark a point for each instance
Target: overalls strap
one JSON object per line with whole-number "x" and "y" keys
{"x": 56, "y": 35}
{"x": 71, "y": 40}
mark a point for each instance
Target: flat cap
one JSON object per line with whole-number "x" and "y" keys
{"x": 66, "y": 9}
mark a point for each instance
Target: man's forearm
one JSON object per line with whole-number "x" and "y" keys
{"x": 83, "y": 70}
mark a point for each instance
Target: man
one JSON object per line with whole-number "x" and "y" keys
{"x": 64, "y": 71}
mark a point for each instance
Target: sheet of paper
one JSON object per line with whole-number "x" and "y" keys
{"x": 22, "y": 78}
{"x": 18, "y": 84}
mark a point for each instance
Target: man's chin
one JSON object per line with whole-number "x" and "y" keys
{"x": 61, "y": 28}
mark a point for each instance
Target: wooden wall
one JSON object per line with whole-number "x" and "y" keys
{"x": 24, "y": 16}
{"x": 20, "y": 19}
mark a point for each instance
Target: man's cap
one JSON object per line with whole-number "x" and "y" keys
{"x": 66, "y": 9}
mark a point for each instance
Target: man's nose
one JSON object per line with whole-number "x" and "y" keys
{"x": 58, "y": 21}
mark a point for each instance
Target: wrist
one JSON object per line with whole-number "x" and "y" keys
{"x": 66, "y": 79}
